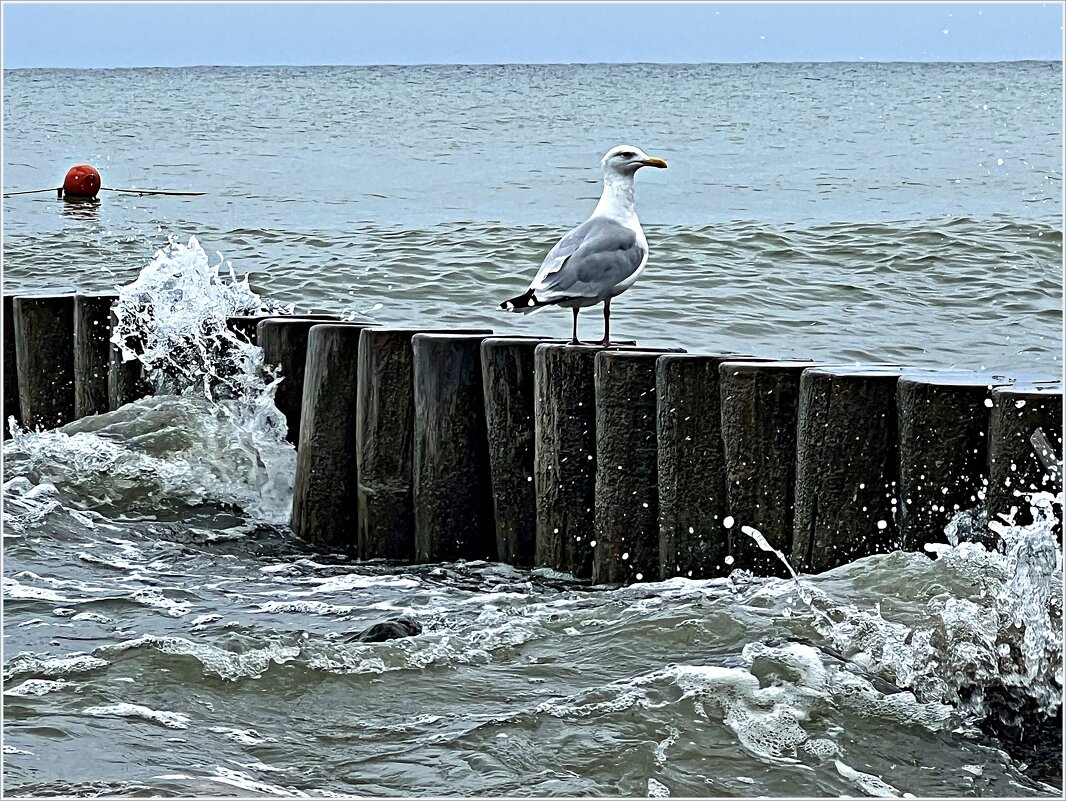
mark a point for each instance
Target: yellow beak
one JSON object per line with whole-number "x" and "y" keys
{"x": 652, "y": 162}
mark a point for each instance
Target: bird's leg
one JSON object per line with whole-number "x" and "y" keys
{"x": 606, "y": 322}
{"x": 575, "y": 340}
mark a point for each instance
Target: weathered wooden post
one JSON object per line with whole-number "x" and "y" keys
{"x": 325, "y": 507}
{"x": 44, "y": 344}
{"x": 385, "y": 418}
{"x": 384, "y": 431}
{"x": 284, "y": 343}
{"x": 1014, "y": 466}
{"x": 507, "y": 375}
{"x": 565, "y": 456}
{"x": 626, "y": 499}
{"x": 847, "y": 466}
{"x": 11, "y": 381}
{"x": 92, "y": 353}
{"x": 126, "y": 380}
{"x": 691, "y": 465}
{"x": 760, "y": 405}
{"x": 943, "y": 449}
{"x": 452, "y": 488}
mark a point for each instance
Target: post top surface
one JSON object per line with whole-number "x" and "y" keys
{"x": 451, "y": 336}
{"x": 754, "y": 365}
{"x": 518, "y": 339}
{"x": 303, "y": 322}
{"x": 1031, "y": 387}
{"x": 955, "y": 377}
{"x": 633, "y": 354}
{"x": 43, "y": 296}
{"x": 711, "y": 357}
{"x": 319, "y": 329}
{"x": 857, "y": 370}
{"x": 386, "y": 330}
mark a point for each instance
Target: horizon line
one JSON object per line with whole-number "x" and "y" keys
{"x": 552, "y": 64}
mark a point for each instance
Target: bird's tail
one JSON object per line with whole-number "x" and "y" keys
{"x": 526, "y": 303}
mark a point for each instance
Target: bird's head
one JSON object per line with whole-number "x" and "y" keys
{"x": 627, "y": 159}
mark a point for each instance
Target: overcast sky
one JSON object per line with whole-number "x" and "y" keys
{"x": 182, "y": 34}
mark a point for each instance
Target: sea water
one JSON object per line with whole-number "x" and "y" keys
{"x": 165, "y": 634}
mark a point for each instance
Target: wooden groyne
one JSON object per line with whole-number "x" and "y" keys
{"x": 615, "y": 464}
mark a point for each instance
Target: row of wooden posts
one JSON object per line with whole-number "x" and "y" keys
{"x": 617, "y": 464}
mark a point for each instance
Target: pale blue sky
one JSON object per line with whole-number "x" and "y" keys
{"x": 181, "y": 34}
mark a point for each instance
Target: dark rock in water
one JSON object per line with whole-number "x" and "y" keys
{"x": 387, "y": 630}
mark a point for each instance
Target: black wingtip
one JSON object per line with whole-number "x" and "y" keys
{"x": 521, "y": 302}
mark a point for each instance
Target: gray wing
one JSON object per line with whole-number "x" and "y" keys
{"x": 586, "y": 263}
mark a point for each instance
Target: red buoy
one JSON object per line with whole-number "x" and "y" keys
{"x": 82, "y": 181}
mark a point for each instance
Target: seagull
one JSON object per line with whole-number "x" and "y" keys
{"x": 603, "y": 256}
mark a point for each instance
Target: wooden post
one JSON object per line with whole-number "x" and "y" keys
{"x": 507, "y": 375}
{"x": 1014, "y": 467}
{"x": 760, "y": 403}
{"x": 11, "y": 381}
{"x": 325, "y": 506}
{"x": 452, "y": 486}
{"x": 691, "y": 466}
{"x": 385, "y": 416}
{"x": 126, "y": 381}
{"x": 943, "y": 449}
{"x": 384, "y": 431}
{"x": 284, "y": 344}
{"x": 565, "y": 456}
{"x": 847, "y": 466}
{"x": 92, "y": 353}
{"x": 626, "y": 499}
{"x": 44, "y": 344}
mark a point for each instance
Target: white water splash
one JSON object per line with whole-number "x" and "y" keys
{"x": 1006, "y": 634}
{"x": 211, "y": 434}
{"x": 158, "y": 456}
{"x": 173, "y": 319}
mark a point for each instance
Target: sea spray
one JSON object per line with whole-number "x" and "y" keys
{"x": 211, "y": 434}
{"x": 989, "y": 644}
{"x": 173, "y": 318}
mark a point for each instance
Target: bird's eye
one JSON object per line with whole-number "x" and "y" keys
{"x": 628, "y": 154}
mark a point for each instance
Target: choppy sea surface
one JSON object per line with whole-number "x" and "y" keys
{"x": 165, "y": 634}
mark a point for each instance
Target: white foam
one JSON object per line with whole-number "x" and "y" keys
{"x": 37, "y": 687}
{"x": 225, "y": 664}
{"x": 1004, "y": 629}
{"x": 171, "y": 720}
{"x": 242, "y": 736}
{"x": 55, "y": 666}
{"x": 243, "y": 781}
{"x": 657, "y": 789}
{"x": 871, "y": 785}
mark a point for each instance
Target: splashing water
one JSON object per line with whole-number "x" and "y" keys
{"x": 989, "y": 644}
{"x": 211, "y": 434}
{"x": 173, "y": 319}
